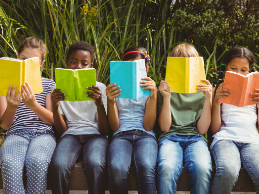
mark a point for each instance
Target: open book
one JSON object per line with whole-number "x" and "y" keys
{"x": 183, "y": 74}
{"x": 128, "y": 75}
{"x": 16, "y": 72}
{"x": 240, "y": 87}
{"x": 74, "y": 82}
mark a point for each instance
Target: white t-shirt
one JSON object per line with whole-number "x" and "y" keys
{"x": 240, "y": 125}
{"x": 81, "y": 116}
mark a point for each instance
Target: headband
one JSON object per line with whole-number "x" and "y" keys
{"x": 143, "y": 53}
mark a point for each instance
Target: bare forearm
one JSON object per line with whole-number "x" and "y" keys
{"x": 113, "y": 117}
{"x": 150, "y": 113}
{"x": 204, "y": 122}
{"x": 102, "y": 120}
{"x": 216, "y": 119}
{"x": 7, "y": 118}
{"x": 59, "y": 122}
{"x": 165, "y": 119}
{"x": 45, "y": 115}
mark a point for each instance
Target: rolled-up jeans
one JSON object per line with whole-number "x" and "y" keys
{"x": 228, "y": 156}
{"x": 140, "y": 149}
{"x": 190, "y": 151}
{"x": 66, "y": 154}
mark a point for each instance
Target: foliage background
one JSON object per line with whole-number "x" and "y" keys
{"x": 111, "y": 26}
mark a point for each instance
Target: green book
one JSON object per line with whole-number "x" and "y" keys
{"x": 73, "y": 82}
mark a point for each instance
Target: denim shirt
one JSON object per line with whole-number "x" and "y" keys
{"x": 131, "y": 114}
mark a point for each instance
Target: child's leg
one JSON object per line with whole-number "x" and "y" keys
{"x": 118, "y": 160}
{"x": 37, "y": 162}
{"x": 250, "y": 160}
{"x": 170, "y": 162}
{"x": 144, "y": 162}
{"x": 94, "y": 162}
{"x": 197, "y": 162}
{"x": 13, "y": 152}
{"x": 63, "y": 161}
{"x": 228, "y": 164}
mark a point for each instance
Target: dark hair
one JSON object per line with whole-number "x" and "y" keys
{"x": 81, "y": 45}
{"x": 35, "y": 43}
{"x": 236, "y": 52}
{"x": 131, "y": 56}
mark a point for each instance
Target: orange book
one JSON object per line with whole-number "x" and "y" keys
{"x": 240, "y": 87}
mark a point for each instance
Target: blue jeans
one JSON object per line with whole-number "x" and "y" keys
{"x": 67, "y": 152}
{"x": 190, "y": 151}
{"x": 34, "y": 152}
{"x": 140, "y": 149}
{"x": 228, "y": 156}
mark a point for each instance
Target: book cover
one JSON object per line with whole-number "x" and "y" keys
{"x": 127, "y": 75}
{"x": 74, "y": 82}
{"x": 183, "y": 74}
{"x": 16, "y": 72}
{"x": 240, "y": 87}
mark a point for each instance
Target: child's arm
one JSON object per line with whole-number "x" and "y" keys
{"x": 112, "y": 110}
{"x": 255, "y": 98}
{"x": 8, "y": 107}
{"x": 150, "y": 110}
{"x": 59, "y": 119}
{"x": 102, "y": 117}
{"x": 216, "y": 115}
{"x": 165, "y": 119}
{"x": 203, "y": 123}
{"x": 45, "y": 114}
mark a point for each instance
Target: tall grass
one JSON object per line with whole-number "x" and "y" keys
{"x": 112, "y": 28}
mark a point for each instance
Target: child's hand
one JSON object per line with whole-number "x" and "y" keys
{"x": 255, "y": 96}
{"x": 28, "y": 96}
{"x": 57, "y": 96}
{"x": 96, "y": 95}
{"x": 112, "y": 92}
{"x": 12, "y": 100}
{"x": 149, "y": 84}
{"x": 164, "y": 89}
{"x": 221, "y": 93}
{"x": 205, "y": 88}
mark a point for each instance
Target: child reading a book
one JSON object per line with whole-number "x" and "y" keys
{"x": 29, "y": 139}
{"x": 236, "y": 138}
{"x": 133, "y": 142}
{"x": 184, "y": 118}
{"x": 83, "y": 125}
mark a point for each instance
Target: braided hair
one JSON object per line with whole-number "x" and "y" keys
{"x": 236, "y": 52}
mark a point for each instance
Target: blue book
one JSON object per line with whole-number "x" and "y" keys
{"x": 128, "y": 75}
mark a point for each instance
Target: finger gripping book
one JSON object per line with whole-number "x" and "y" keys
{"x": 240, "y": 87}
{"x": 16, "y": 72}
{"x": 183, "y": 74}
{"x": 74, "y": 82}
{"x": 128, "y": 75}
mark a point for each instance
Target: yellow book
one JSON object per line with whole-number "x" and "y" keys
{"x": 16, "y": 72}
{"x": 183, "y": 74}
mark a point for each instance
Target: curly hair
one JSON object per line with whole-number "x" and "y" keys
{"x": 81, "y": 45}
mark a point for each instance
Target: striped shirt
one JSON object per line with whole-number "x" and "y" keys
{"x": 25, "y": 118}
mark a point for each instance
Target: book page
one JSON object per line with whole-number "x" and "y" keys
{"x": 196, "y": 73}
{"x": 32, "y": 74}
{"x": 176, "y": 77}
{"x": 65, "y": 82}
{"x": 141, "y": 73}
{"x": 84, "y": 78}
{"x": 121, "y": 74}
{"x": 253, "y": 83}
{"x": 10, "y": 74}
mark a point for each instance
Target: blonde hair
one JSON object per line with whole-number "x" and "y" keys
{"x": 35, "y": 43}
{"x": 184, "y": 50}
